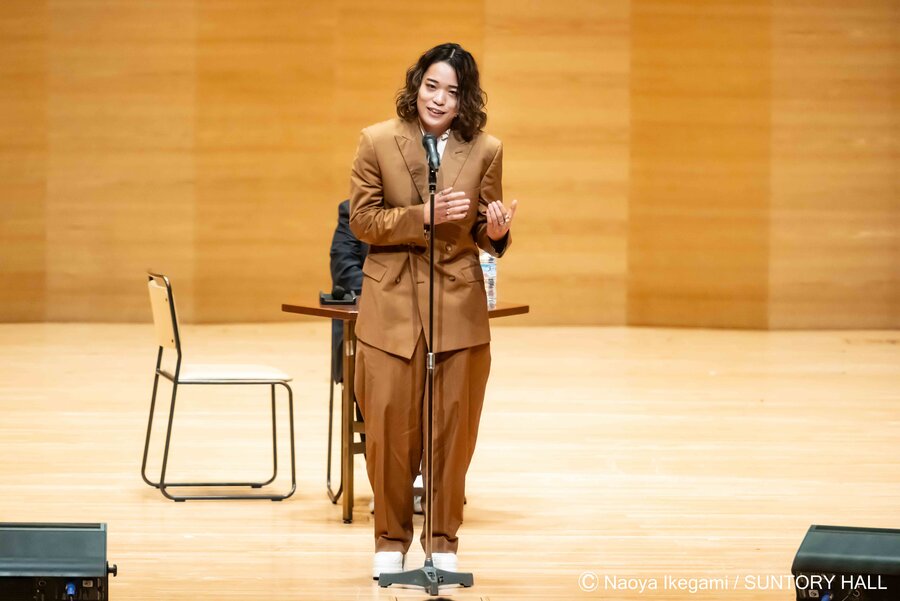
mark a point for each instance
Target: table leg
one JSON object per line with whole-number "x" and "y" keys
{"x": 348, "y": 416}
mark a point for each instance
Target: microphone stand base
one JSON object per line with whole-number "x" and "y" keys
{"x": 427, "y": 577}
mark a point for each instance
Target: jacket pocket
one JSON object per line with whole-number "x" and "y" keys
{"x": 373, "y": 269}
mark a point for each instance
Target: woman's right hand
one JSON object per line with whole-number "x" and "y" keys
{"x": 448, "y": 206}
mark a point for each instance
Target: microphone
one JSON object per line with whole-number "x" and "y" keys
{"x": 339, "y": 296}
{"x": 434, "y": 157}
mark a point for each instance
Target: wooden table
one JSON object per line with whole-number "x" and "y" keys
{"x": 349, "y": 423}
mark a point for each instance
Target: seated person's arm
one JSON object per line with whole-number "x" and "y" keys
{"x": 347, "y": 253}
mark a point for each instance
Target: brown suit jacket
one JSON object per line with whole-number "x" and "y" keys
{"x": 388, "y": 189}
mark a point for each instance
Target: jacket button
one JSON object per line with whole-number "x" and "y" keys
{"x": 449, "y": 247}
{"x": 397, "y": 281}
{"x": 452, "y": 278}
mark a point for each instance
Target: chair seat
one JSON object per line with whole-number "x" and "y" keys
{"x": 228, "y": 373}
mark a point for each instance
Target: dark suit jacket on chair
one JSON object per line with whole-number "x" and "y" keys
{"x": 347, "y": 257}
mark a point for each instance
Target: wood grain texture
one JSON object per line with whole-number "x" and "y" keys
{"x": 120, "y": 187}
{"x": 557, "y": 76}
{"x": 698, "y": 229}
{"x": 724, "y": 164}
{"x": 634, "y": 452}
{"x": 262, "y": 150}
{"x": 835, "y": 253}
{"x": 23, "y": 159}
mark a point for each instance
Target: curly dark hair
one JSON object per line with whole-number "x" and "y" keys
{"x": 471, "y": 118}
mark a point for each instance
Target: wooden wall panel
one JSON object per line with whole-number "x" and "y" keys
{"x": 557, "y": 77}
{"x": 23, "y": 159}
{"x": 678, "y": 163}
{"x": 698, "y": 229}
{"x": 835, "y": 254}
{"x": 120, "y": 172}
{"x": 264, "y": 108}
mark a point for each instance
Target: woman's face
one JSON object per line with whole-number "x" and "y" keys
{"x": 438, "y": 103}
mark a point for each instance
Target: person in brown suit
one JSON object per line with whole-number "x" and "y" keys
{"x": 389, "y": 210}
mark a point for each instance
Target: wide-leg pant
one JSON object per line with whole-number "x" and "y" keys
{"x": 390, "y": 391}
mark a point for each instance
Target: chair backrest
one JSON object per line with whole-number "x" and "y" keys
{"x": 165, "y": 322}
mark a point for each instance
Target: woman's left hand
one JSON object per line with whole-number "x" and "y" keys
{"x": 499, "y": 219}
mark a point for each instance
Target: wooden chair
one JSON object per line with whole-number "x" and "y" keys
{"x": 165, "y": 322}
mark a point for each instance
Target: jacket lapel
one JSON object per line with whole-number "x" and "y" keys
{"x": 414, "y": 155}
{"x": 455, "y": 155}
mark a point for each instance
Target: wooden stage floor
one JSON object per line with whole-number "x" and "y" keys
{"x": 605, "y": 454}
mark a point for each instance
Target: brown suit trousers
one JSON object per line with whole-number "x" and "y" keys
{"x": 391, "y": 390}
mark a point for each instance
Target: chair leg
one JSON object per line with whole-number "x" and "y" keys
{"x": 165, "y": 460}
{"x": 163, "y": 484}
{"x": 274, "y": 446}
{"x": 291, "y": 429}
{"x": 332, "y": 495}
{"x": 149, "y": 428}
{"x": 176, "y": 484}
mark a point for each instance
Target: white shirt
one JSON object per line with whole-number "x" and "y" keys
{"x": 442, "y": 143}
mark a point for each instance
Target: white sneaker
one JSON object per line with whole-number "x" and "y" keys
{"x": 445, "y": 561}
{"x": 387, "y": 562}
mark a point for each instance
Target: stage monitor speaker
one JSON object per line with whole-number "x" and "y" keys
{"x": 835, "y": 563}
{"x": 54, "y": 562}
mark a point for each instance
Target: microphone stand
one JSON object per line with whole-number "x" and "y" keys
{"x": 429, "y": 577}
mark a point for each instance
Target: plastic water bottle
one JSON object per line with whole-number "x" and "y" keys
{"x": 489, "y": 268}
